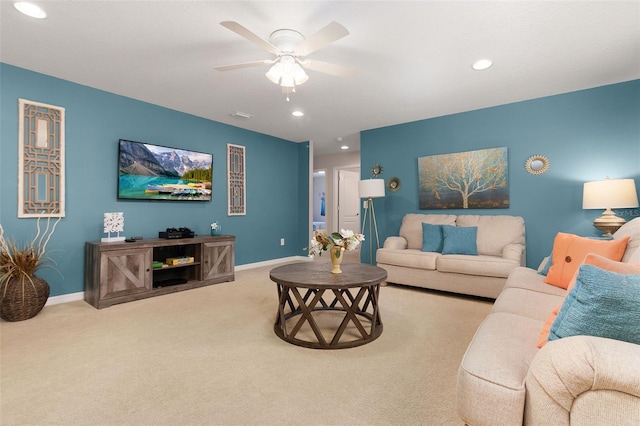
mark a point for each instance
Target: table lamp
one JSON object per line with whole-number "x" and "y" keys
{"x": 370, "y": 189}
{"x": 609, "y": 194}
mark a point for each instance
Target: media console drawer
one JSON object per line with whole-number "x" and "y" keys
{"x": 121, "y": 272}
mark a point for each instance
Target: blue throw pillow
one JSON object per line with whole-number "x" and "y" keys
{"x": 460, "y": 239}
{"x": 432, "y": 239}
{"x": 603, "y": 304}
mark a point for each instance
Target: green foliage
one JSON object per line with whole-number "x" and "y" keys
{"x": 200, "y": 175}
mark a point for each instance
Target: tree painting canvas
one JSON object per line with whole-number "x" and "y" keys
{"x": 464, "y": 180}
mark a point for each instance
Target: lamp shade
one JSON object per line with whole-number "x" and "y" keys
{"x": 610, "y": 193}
{"x": 371, "y": 188}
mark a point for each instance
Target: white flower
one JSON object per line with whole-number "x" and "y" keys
{"x": 214, "y": 225}
{"x": 346, "y": 233}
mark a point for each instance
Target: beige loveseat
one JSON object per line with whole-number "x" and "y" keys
{"x": 504, "y": 379}
{"x": 500, "y": 246}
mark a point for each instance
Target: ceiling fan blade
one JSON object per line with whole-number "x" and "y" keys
{"x": 327, "y": 68}
{"x": 243, "y": 32}
{"x": 325, "y": 36}
{"x": 243, "y": 65}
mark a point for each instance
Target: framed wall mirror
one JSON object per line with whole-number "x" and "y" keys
{"x": 537, "y": 164}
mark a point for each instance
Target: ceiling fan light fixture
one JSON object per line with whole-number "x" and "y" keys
{"x": 299, "y": 76}
{"x": 275, "y": 73}
{"x": 287, "y": 81}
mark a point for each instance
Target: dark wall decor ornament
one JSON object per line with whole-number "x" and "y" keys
{"x": 376, "y": 170}
{"x": 393, "y": 184}
{"x": 465, "y": 180}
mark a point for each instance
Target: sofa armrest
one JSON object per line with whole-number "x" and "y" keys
{"x": 398, "y": 243}
{"x": 584, "y": 377}
{"x": 514, "y": 252}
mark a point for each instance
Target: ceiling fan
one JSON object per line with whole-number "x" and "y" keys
{"x": 291, "y": 48}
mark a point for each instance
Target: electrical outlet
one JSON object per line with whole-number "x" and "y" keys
{"x": 281, "y": 241}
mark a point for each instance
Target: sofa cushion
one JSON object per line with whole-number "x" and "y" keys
{"x": 570, "y": 250}
{"x": 459, "y": 240}
{"x": 488, "y": 266}
{"x": 411, "y": 228}
{"x": 494, "y": 368}
{"x": 495, "y": 232}
{"x": 432, "y": 238}
{"x": 410, "y": 258}
{"x": 529, "y": 279}
{"x": 526, "y": 303}
{"x": 602, "y": 304}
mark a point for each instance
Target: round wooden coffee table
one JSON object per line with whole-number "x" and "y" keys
{"x": 321, "y": 310}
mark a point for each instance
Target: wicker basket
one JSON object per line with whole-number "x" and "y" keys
{"x": 22, "y": 298}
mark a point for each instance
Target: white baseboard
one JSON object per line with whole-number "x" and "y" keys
{"x": 271, "y": 262}
{"x": 72, "y": 297}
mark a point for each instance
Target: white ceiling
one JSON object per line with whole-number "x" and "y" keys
{"x": 414, "y": 57}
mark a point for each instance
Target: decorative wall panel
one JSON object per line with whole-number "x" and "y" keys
{"x": 41, "y": 179}
{"x": 236, "y": 180}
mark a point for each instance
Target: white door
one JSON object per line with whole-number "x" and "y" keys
{"x": 348, "y": 201}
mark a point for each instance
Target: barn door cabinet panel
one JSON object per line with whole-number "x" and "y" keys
{"x": 121, "y": 272}
{"x": 218, "y": 260}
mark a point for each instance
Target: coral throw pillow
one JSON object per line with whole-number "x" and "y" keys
{"x": 570, "y": 250}
{"x": 595, "y": 260}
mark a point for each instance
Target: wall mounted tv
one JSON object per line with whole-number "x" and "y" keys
{"x": 153, "y": 172}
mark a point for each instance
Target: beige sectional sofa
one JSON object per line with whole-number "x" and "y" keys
{"x": 500, "y": 247}
{"x": 504, "y": 379}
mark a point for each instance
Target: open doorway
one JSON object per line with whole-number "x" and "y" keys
{"x": 319, "y": 200}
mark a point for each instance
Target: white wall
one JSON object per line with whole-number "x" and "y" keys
{"x": 331, "y": 164}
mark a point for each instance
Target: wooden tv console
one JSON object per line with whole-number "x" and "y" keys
{"x": 120, "y": 272}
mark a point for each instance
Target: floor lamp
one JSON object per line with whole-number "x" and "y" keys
{"x": 369, "y": 189}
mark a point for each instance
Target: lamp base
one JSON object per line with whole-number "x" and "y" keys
{"x": 608, "y": 223}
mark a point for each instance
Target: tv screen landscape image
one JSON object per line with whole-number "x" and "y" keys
{"x": 153, "y": 172}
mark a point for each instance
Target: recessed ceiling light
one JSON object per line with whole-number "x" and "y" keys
{"x": 297, "y": 113}
{"x": 30, "y": 9}
{"x": 344, "y": 147}
{"x": 482, "y": 64}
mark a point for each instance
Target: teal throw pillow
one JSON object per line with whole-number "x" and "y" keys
{"x": 460, "y": 239}
{"x": 432, "y": 239}
{"x": 602, "y": 304}
{"x": 545, "y": 269}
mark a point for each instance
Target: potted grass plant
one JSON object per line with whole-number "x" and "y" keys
{"x": 22, "y": 293}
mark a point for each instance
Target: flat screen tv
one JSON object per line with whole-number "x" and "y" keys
{"x": 153, "y": 172}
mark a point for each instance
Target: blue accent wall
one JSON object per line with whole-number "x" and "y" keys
{"x": 277, "y": 197}
{"x": 587, "y": 135}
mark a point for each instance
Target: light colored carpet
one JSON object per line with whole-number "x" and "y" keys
{"x": 210, "y": 356}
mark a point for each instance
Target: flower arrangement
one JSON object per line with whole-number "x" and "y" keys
{"x": 24, "y": 260}
{"x": 345, "y": 239}
{"x": 22, "y": 293}
{"x": 214, "y": 226}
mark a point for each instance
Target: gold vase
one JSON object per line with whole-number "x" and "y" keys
{"x": 336, "y": 253}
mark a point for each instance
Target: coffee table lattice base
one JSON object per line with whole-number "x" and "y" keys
{"x": 357, "y": 313}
